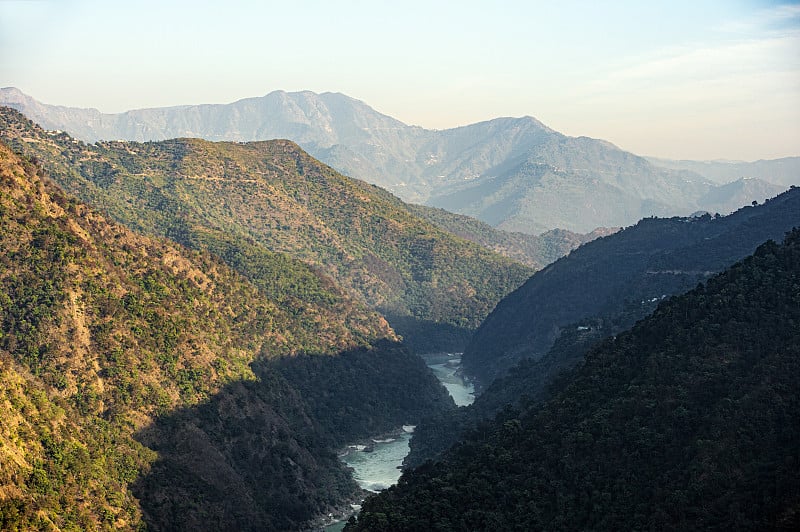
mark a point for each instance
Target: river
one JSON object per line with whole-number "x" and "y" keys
{"x": 377, "y": 466}
{"x": 446, "y": 368}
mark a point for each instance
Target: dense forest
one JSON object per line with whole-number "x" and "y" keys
{"x": 146, "y": 384}
{"x": 687, "y": 421}
{"x": 265, "y": 480}
{"x": 240, "y": 200}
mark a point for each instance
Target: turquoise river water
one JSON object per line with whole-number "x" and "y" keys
{"x": 376, "y": 466}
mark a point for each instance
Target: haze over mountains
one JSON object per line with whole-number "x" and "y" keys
{"x": 513, "y": 173}
{"x": 782, "y": 171}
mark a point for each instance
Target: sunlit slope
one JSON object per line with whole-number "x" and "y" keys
{"x": 241, "y": 199}
{"x": 107, "y": 337}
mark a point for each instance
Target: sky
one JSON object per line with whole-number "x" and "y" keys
{"x": 696, "y": 79}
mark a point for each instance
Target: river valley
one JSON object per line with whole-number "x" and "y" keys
{"x": 376, "y": 464}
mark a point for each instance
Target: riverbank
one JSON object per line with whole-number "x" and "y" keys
{"x": 447, "y": 368}
{"x": 370, "y": 442}
{"x": 337, "y": 517}
{"x": 376, "y": 462}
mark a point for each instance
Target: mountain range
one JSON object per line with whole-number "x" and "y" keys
{"x": 779, "y": 171}
{"x": 190, "y": 328}
{"x": 513, "y": 173}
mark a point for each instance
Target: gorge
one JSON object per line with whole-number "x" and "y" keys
{"x": 377, "y": 462}
{"x": 237, "y": 312}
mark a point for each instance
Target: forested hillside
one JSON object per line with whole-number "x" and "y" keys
{"x": 241, "y": 201}
{"x": 546, "y": 327}
{"x": 115, "y": 346}
{"x": 688, "y": 421}
{"x": 613, "y": 281}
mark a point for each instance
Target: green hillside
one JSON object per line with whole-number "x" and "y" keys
{"x": 106, "y": 337}
{"x": 516, "y": 174}
{"x": 686, "y": 422}
{"x": 240, "y": 199}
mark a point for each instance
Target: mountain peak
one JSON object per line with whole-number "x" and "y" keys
{"x": 536, "y": 121}
{"x": 10, "y": 95}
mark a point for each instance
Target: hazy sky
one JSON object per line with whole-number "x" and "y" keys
{"x": 682, "y": 79}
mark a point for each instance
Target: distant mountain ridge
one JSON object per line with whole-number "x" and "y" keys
{"x": 536, "y": 251}
{"x": 513, "y": 173}
{"x": 783, "y": 171}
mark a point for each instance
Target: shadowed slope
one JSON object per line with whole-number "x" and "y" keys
{"x": 687, "y": 421}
